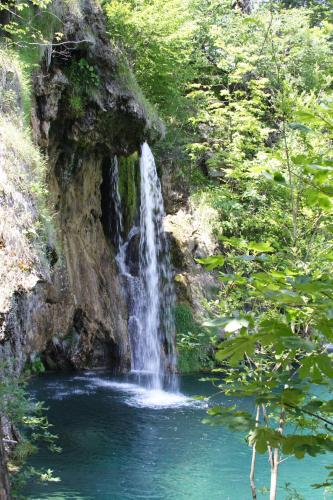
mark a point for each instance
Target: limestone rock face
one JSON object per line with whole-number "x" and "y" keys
{"x": 191, "y": 238}
{"x": 63, "y": 300}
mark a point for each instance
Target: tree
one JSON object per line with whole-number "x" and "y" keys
{"x": 276, "y": 353}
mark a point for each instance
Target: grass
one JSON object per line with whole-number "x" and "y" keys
{"x": 24, "y": 213}
{"x": 25, "y": 218}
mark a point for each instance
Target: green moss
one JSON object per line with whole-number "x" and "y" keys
{"x": 84, "y": 81}
{"x": 29, "y": 61}
{"x": 129, "y": 179}
{"x": 76, "y": 103}
{"x": 194, "y": 344}
{"x": 188, "y": 362}
{"x": 35, "y": 366}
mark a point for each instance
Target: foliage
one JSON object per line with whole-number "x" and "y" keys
{"x": 22, "y": 26}
{"x": 84, "y": 81}
{"x": 194, "y": 352}
{"x": 27, "y": 417}
{"x": 157, "y": 43}
{"x": 36, "y": 366}
{"x": 275, "y": 348}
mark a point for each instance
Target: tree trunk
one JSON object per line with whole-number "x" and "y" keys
{"x": 276, "y": 461}
{"x": 253, "y": 461}
{"x": 274, "y": 475}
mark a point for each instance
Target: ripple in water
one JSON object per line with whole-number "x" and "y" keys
{"x": 122, "y": 441}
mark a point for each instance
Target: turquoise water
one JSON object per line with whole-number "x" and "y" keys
{"x": 123, "y": 443}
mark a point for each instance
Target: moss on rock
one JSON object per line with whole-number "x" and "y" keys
{"x": 129, "y": 182}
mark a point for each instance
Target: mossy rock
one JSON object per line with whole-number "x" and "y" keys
{"x": 129, "y": 189}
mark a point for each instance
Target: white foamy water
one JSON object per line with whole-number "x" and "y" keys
{"x": 157, "y": 398}
{"x": 144, "y": 397}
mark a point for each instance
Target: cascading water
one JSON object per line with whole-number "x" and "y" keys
{"x": 155, "y": 273}
{"x": 150, "y": 294}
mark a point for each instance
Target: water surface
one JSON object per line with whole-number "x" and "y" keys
{"x": 123, "y": 442}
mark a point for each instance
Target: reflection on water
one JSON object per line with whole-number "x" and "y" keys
{"x": 122, "y": 441}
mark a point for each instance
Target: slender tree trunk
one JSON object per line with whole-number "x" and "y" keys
{"x": 293, "y": 197}
{"x": 253, "y": 465}
{"x": 274, "y": 475}
{"x": 276, "y": 461}
{"x": 253, "y": 461}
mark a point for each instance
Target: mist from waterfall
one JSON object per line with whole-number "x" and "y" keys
{"x": 150, "y": 294}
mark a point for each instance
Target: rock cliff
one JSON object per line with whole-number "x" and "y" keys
{"x": 63, "y": 300}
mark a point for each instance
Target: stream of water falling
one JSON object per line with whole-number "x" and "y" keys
{"x": 150, "y": 294}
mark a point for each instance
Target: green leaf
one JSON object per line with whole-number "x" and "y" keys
{"x": 234, "y": 242}
{"x": 300, "y": 445}
{"x": 236, "y": 348}
{"x": 212, "y": 262}
{"x": 300, "y": 127}
{"x": 274, "y": 328}
{"x": 325, "y": 326}
{"x": 260, "y": 246}
{"x": 263, "y": 437}
{"x": 292, "y": 396}
{"x": 278, "y": 177}
{"x": 235, "y": 419}
{"x": 307, "y": 117}
{"x": 301, "y": 159}
{"x": 316, "y": 198}
{"x": 236, "y": 324}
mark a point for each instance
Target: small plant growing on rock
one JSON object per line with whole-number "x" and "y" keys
{"x": 84, "y": 81}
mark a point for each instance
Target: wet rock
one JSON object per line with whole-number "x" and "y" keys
{"x": 132, "y": 254}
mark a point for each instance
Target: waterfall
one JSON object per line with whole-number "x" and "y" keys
{"x": 150, "y": 294}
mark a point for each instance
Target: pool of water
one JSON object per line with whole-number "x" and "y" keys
{"x": 123, "y": 442}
